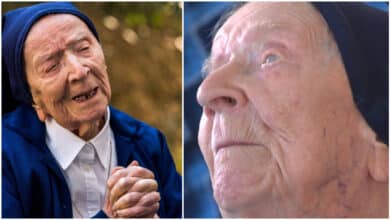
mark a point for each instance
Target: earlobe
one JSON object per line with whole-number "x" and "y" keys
{"x": 378, "y": 162}
{"x": 41, "y": 114}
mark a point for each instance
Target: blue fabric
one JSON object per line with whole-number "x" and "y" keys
{"x": 33, "y": 185}
{"x": 16, "y": 25}
{"x": 100, "y": 214}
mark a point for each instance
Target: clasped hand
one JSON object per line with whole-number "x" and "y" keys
{"x": 131, "y": 193}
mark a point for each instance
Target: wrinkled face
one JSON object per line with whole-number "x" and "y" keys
{"x": 271, "y": 100}
{"x": 66, "y": 70}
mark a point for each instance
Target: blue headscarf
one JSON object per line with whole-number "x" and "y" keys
{"x": 16, "y": 26}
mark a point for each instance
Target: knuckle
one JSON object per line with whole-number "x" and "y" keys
{"x": 123, "y": 182}
{"x": 156, "y": 206}
{"x": 133, "y": 197}
{"x": 151, "y": 185}
{"x": 138, "y": 171}
{"x": 149, "y": 199}
{"x": 142, "y": 172}
{"x": 138, "y": 210}
{"x": 128, "y": 198}
{"x": 138, "y": 185}
{"x": 115, "y": 176}
{"x": 157, "y": 196}
{"x": 154, "y": 184}
{"x": 115, "y": 169}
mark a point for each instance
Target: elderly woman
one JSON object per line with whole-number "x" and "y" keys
{"x": 288, "y": 128}
{"x": 66, "y": 152}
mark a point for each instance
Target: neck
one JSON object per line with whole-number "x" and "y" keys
{"x": 87, "y": 131}
{"x": 352, "y": 192}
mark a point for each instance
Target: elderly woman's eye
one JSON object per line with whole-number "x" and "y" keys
{"x": 51, "y": 67}
{"x": 84, "y": 48}
{"x": 271, "y": 58}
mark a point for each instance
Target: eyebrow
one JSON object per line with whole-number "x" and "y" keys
{"x": 46, "y": 57}
{"x": 40, "y": 59}
{"x": 266, "y": 26}
{"x": 79, "y": 38}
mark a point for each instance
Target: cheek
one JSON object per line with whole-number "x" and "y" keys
{"x": 307, "y": 167}
{"x": 102, "y": 76}
{"x": 278, "y": 97}
{"x": 48, "y": 91}
{"x": 204, "y": 140}
{"x": 100, "y": 71}
{"x": 290, "y": 104}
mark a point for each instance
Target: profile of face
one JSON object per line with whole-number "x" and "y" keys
{"x": 66, "y": 71}
{"x": 277, "y": 105}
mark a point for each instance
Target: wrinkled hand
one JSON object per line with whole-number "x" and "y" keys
{"x": 132, "y": 192}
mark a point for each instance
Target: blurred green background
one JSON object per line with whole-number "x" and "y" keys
{"x": 142, "y": 42}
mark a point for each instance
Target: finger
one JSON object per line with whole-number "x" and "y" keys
{"x": 135, "y": 171}
{"x": 142, "y": 172}
{"x": 116, "y": 169}
{"x": 150, "y": 216}
{"x": 123, "y": 185}
{"x": 127, "y": 200}
{"x": 138, "y": 211}
{"x": 116, "y": 174}
{"x": 134, "y": 163}
{"x": 144, "y": 185}
{"x": 107, "y": 206}
{"x": 113, "y": 178}
{"x": 149, "y": 199}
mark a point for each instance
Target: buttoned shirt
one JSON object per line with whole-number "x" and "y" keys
{"x": 86, "y": 165}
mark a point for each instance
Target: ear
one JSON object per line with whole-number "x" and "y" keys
{"x": 40, "y": 112}
{"x": 378, "y": 162}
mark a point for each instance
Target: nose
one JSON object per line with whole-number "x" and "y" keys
{"x": 221, "y": 91}
{"x": 75, "y": 68}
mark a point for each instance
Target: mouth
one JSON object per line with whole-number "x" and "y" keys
{"x": 85, "y": 95}
{"x": 232, "y": 143}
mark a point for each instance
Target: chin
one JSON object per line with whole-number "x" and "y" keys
{"x": 238, "y": 189}
{"x": 89, "y": 115}
{"x": 233, "y": 189}
{"x": 94, "y": 115}
{"x": 240, "y": 202}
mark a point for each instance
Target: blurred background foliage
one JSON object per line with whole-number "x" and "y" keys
{"x": 142, "y": 42}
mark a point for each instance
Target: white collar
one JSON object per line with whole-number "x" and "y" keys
{"x": 65, "y": 145}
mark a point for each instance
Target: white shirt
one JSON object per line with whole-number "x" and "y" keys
{"x": 86, "y": 165}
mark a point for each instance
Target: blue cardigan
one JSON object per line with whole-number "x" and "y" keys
{"x": 33, "y": 185}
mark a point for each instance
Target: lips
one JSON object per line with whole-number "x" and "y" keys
{"x": 85, "y": 95}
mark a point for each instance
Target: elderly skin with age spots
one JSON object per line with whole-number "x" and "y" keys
{"x": 77, "y": 156}
{"x": 68, "y": 77}
{"x": 280, "y": 132}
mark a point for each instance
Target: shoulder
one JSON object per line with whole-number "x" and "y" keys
{"x": 23, "y": 135}
{"x": 146, "y": 143}
{"x": 21, "y": 119}
{"x": 125, "y": 125}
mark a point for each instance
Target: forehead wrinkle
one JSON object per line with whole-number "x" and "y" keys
{"x": 311, "y": 24}
{"x": 301, "y": 18}
{"x": 235, "y": 43}
{"x": 52, "y": 48}
{"x": 52, "y": 25}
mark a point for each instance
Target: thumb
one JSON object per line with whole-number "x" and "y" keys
{"x": 116, "y": 169}
{"x": 134, "y": 163}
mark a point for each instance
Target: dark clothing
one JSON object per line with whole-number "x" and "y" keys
{"x": 34, "y": 185}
